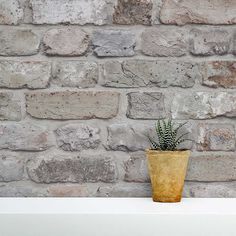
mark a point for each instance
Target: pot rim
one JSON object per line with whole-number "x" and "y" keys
{"x": 148, "y": 151}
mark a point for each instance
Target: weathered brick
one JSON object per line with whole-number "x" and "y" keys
{"x": 113, "y": 43}
{"x": 136, "y": 169}
{"x": 11, "y": 167}
{"x": 24, "y": 136}
{"x": 18, "y": 42}
{"x": 10, "y": 12}
{"x": 77, "y": 169}
{"x": 146, "y": 105}
{"x": 21, "y": 74}
{"x": 81, "y": 74}
{"x": 10, "y": 108}
{"x": 142, "y": 73}
{"x": 210, "y": 190}
{"x": 124, "y": 137}
{"x": 216, "y": 137}
{"x": 80, "y": 12}
{"x": 125, "y": 190}
{"x": 212, "y": 167}
{"x": 181, "y": 12}
{"x": 203, "y": 105}
{"x": 209, "y": 42}
{"x": 22, "y": 189}
{"x": 219, "y": 74}
{"x": 68, "y": 190}
{"x": 65, "y": 42}
{"x": 164, "y": 42}
{"x": 72, "y": 105}
{"x": 77, "y": 137}
{"x": 133, "y": 12}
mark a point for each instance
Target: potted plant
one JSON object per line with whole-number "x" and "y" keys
{"x": 167, "y": 165}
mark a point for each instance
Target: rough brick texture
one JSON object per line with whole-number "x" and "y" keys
{"x": 164, "y": 42}
{"x": 209, "y": 168}
{"x": 80, "y": 74}
{"x": 11, "y": 167}
{"x": 113, "y": 43}
{"x": 18, "y": 42}
{"x": 216, "y": 137}
{"x": 190, "y": 11}
{"x": 204, "y": 105}
{"x": 218, "y": 74}
{"x": 10, "y": 108}
{"x": 210, "y": 42}
{"x": 82, "y": 83}
{"x": 133, "y": 12}
{"x": 75, "y": 137}
{"x": 146, "y": 73}
{"x": 146, "y": 105}
{"x": 21, "y": 74}
{"x": 72, "y": 105}
{"x": 77, "y": 169}
{"x": 24, "y": 136}
{"x": 11, "y": 12}
{"x": 80, "y": 12}
{"x": 65, "y": 42}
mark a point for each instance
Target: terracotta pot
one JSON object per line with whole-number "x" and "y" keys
{"x": 167, "y": 171}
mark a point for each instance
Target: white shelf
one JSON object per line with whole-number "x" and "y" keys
{"x": 116, "y": 216}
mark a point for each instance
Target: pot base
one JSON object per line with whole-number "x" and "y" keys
{"x": 166, "y": 199}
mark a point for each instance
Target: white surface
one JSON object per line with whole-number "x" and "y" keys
{"x": 116, "y": 216}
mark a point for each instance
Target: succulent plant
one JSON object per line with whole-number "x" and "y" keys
{"x": 168, "y": 137}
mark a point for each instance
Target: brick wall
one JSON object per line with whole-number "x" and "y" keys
{"x": 82, "y": 82}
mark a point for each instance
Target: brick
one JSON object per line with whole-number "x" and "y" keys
{"x": 164, "y": 42}
{"x": 80, "y": 12}
{"x": 210, "y": 190}
{"x": 18, "y": 42}
{"x": 136, "y": 169}
{"x": 182, "y": 12}
{"x": 124, "y": 137}
{"x": 143, "y": 73}
{"x": 218, "y": 74}
{"x": 65, "y": 42}
{"x": 133, "y": 12}
{"x": 24, "y": 74}
{"x": 22, "y": 189}
{"x": 24, "y": 136}
{"x": 77, "y": 137}
{"x": 11, "y": 167}
{"x": 113, "y": 43}
{"x": 209, "y": 42}
{"x": 76, "y": 169}
{"x": 203, "y": 105}
{"x": 146, "y": 105}
{"x": 66, "y": 105}
{"x": 80, "y": 74}
{"x": 10, "y": 108}
{"x": 125, "y": 190}
{"x": 68, "y": 190}
{"x": 216, "y": 137}
{"x": 212, "y": 167}
{"x": 11, "y": 13}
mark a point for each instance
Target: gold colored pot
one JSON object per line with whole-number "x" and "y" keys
{"x": 167, "y": 171}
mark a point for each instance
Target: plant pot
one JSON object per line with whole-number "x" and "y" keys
{"x": 167, "y": 171}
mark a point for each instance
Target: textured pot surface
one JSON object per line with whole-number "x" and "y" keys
{"x": 167, "y": 171}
